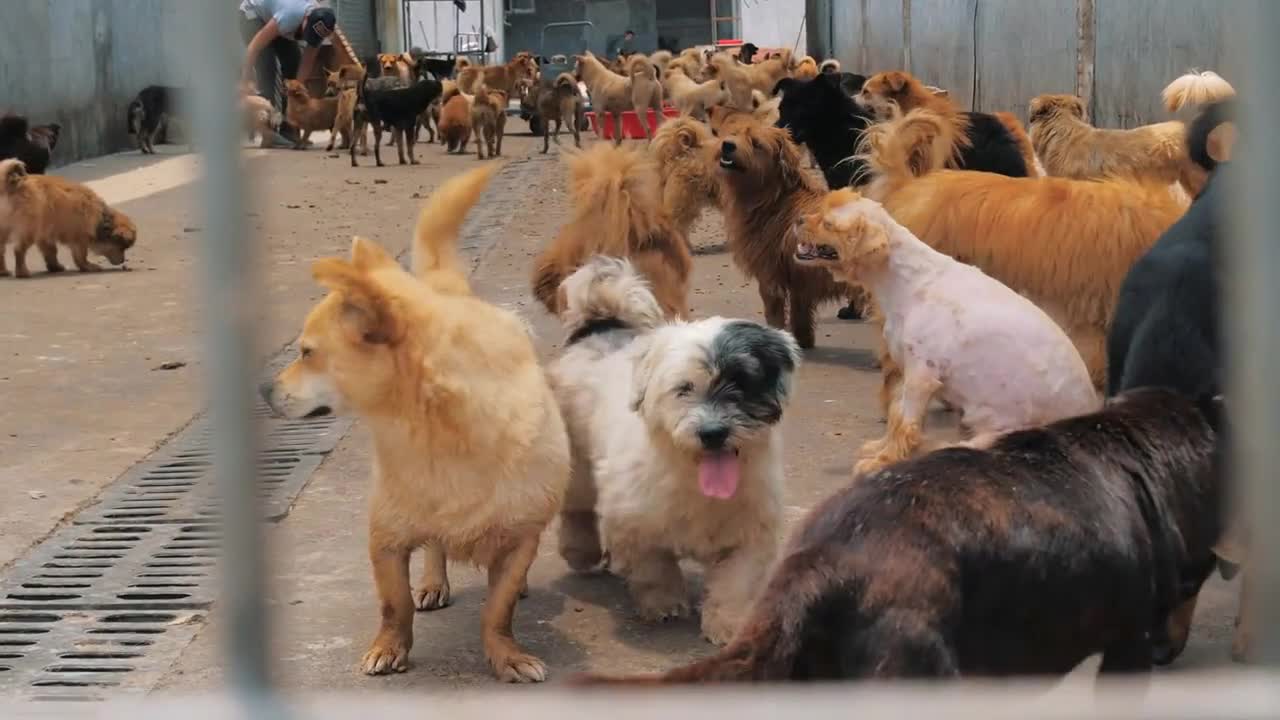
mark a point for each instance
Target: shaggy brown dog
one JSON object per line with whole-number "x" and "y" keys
{"x": 488, "y": 121}
{"x": 309, "y": 114}
{"x": 47, "y": 210}
{"x": 1080, "y": 537}
{"x": 617, "y": 212}
{"x": 455, "y": 122}
{"x": 498, "y": 77}
{"x": 689, "y": 183}
{"x": 766, "y": 189}
{"x": 1070, "y": 147}
{"x": 1066, "y": 244}
{"x": 562, "y": 104}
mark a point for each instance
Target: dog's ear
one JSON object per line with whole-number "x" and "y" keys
{"x": 367, "y": 312}
{"x": 645, "y": 364}
{"x": 687, "y": 137}
{"x": 896, "y": 80}
{"x": 368, "y": 255}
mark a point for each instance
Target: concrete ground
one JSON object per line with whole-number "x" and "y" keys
{"x": 87, "y": 394}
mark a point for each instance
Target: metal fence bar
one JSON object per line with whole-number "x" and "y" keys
{"x": 1254, "y": 299}
{"x": 230, "y": 296}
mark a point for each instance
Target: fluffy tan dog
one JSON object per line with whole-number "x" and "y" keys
{"x": 489, "y": 121}
{"x": 661, "y": 60}
{"x": 1066, "y": 244}
{"x": 693, "y": 98}
{"x": 958, "y": 334}
{"x": 646, "y": 92}
{"x": 742, "y": 79}
{"x": 436, "y": 373}
{"x": 689, "y": 182}
{"x": 455, "y": 122}
{"x": 47, "y": 211}
{"x": 617, "y": 211}
{"x": 615, "y": 94}
{"x": 1070, "y": 147}
{"x": 498, "y": 77}
{"x": 765, "y": 190}
{"x": 691, "y": 62}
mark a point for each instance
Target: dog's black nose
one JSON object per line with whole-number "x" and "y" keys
{"x": 713, "y": 436}
{"x": 264, "y": 389}
{"x": 728, "y": 147}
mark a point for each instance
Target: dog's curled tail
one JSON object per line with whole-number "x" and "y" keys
{"x": 12, "y": 127}
{"x": 766, "y": 647}
{"x": 435, "y": 238}
{"x": 908, "y": 146}
{"x": 567, "y": 81}
{"x": 1196, "y": 89}
{"x": 608, "y": 290}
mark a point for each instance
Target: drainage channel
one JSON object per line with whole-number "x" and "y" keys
{"x": 106, "y": 604}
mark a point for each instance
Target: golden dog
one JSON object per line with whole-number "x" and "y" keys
{"x": 689, "y": 184}
{"x": 471, "y": 453}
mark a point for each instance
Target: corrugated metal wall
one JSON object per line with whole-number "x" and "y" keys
{"x": 358, "y": 23}
{"x": 998, "y": 54}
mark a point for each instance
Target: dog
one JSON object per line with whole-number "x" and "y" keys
{"x": 343, "y": 83}
{"x": 646, "y": 92}
{"x": 979, "y": 141}
{"x": 488, "y": 121}
{"x": 439, "y": 67}
{"x": 1011, "y": 123}
{"x": 309, "y": 114}
{"x": 398, "y": 110}
{"x": 617, "y": 211}
{"x": 560, "y": 103}
{"x": 660, "y": 60}
{"x": 1065, "y": 244}
{"x": 612, "y": 93}
{"x": 431, "y": 118}
{"x": 765, "y": 190}
{"x": 149, "y": 114}
{"x": 956, "y": 333}
{"x": 498, "y": 77}
{"x": 820, "y": 116}
{"x": 690, "y": 97}
{"x": 397, "y": 65}
{"x": 690, "y": 61}
{"x": 1070, "y": 147}
{"x": 1167, "y": 330}
{"x": 1056, "y": 543}
{"x": 260, "y": 117}
{"x": 47, "y": 211}
{"x": 476, "y": 404}
{"x": 32, "y": 145}
{"x": 741, "y": 79}
{"x": 676, "y": 445}
{"x": 806, "y": 69}
{"x": 765, "y": 109}
{"x": 455, "y": 122}
{"x": 830, "y": 66}
{"x": 689, "y": 183}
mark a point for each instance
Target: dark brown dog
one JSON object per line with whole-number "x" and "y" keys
{"x": 1084, "y": 536}
{"x": 766, "y": 191}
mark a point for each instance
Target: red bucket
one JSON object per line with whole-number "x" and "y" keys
{"x": 631, "y": 129}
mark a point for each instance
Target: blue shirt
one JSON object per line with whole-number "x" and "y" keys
{"x": 288, "y": 14}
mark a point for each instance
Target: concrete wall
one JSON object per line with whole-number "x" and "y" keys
{"x": 998, "y": 54}
{"x": 80, "y": 62}
{"x": 775, "y": 23}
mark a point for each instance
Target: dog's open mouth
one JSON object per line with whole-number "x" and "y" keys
{"x": 728, "y": 163}
{"x": 321, "y": 411}
{"x": 806, "y": 251}
{"x": 718, "y": 474}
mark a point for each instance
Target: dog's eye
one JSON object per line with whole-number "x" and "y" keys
{"x": 683, "y": 390}
{"x": 305, "y": 352}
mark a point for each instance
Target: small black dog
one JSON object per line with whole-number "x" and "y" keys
{"x": 820, "y": 115}
{"x": 385, "y": 106}
{"x": 150, "y": 112}
{"x": 32, "y": 145}
{"x": 1056, "y": 543}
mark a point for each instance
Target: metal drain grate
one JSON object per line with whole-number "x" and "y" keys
{"x": 104, "y": 605}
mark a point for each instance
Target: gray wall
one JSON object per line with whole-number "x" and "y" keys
{"x": 80, "y": 62}
{"x": 998, "y": 54}
{"x": 609, "y": 18}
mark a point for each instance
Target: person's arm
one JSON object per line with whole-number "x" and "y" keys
{"x": 308, "y": 59}
{"x": 260, "y": 40}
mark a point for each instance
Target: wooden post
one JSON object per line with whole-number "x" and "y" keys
{"x": 1086, "y": 30}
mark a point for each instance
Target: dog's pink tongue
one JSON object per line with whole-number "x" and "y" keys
{"x": 718, "y": 474}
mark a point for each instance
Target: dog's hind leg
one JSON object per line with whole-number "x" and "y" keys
{"x": 20, "y": 247}
{"x": 398, "y": 138}
{"x": 775, "y": 304}
{"x": 900, "y": 644}
{"x": 579, "y": 539}
{"x": 507, "y": 575}
{"x": 802, "y": 312}
{"x": 433, "y": 593}
{"x": 49, "y": 249}
{"x": 390, "y": 649}
{"x": 411, "y": 141}
{"x": 4, "y": 265}
{"x": 617, "y": 128}
{"x": 377, "y": 145}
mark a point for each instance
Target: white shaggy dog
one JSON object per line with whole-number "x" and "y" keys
{"x": 675, "y": 442}
{"x": 954, "y": 331}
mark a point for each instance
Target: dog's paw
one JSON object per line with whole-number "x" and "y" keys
{"x": 519, "y": 667}
{"x": 662, "y": 609}
{"x": 54, "y": 268}
{"x": 718, "y": 629}
{"x": 431, "y": 597}
{"x": 386, "y": 656}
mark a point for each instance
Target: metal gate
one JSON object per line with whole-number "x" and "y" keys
{"x": 358, "y": 20}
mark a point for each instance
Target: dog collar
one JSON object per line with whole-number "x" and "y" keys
{"x": 595, "y": 327}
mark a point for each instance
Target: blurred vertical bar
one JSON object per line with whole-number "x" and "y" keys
{"x": 1253, "y": 294}
{"x": 230, "y": 301}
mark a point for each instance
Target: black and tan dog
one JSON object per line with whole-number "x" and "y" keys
{"x": 1085, "y": 536}
{"x": 150, "y": 114}
{"x": 32, "y": 145}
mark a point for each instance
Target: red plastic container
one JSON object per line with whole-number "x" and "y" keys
{"x": 631, "y": 129}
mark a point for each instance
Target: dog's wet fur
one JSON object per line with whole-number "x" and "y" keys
{"x": 1051, "y": 545}
{"x": 820, "y": 115}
